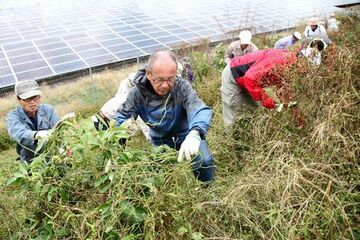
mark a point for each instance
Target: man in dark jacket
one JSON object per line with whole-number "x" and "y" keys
{"x": 30, "y": 120}
{"x": 171, "y": 108}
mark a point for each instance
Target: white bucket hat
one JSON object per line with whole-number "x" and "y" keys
{"x": 245, "y": 37}
{"x": 297, "y": 35}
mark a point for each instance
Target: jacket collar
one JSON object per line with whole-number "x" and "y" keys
{"x": 39, "y": 115}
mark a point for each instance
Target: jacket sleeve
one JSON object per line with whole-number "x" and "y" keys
{"x": 128, "y": 109}
{"x": 198, "y": 114}
{"x": 257, "y": 92}
{"x": 322, "y": 30}
{"x": 306, "y": 32}
{"x": 110, "y": 108}
{"x": 54, "y": 118}
{"x": 254, "y": 48}
{"x": 228, "y": 56}
{"x": 279, "y": 44}
{"x": 18, "y": 131}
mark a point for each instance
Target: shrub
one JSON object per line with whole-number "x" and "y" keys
{"x": 5, "y": 141}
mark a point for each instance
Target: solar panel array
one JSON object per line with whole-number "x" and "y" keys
{"x": 41, "y": 39}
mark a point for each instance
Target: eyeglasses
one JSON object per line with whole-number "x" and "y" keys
{"x": 158, "y": 80}
{"x": 35, "y": 98}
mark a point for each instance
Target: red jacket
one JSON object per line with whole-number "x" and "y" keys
{"x": 261, "y": 69}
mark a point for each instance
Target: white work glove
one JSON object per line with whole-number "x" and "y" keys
{"x": 279, "y": 106}
{"x": 190, "y": 146}
{"x": 291, "y": 104}
{"x": 100, "y": 123}
{"x": 42, "y": 134}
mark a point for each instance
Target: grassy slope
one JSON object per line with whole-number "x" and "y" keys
{"x": 274, "y": 180}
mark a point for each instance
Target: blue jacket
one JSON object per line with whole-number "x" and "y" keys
{"x": 285, "y": 42}
{"x": 173, "y": 115}
{"x": 22, "y": 130}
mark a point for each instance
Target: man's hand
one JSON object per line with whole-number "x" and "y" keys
{"x": 268, "y": 103}
{"x": 100, "y": 123}
{"x": 42, "y": 134}
{"x": 190, "y": 146}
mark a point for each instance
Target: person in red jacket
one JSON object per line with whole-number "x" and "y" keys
{"x": 245, "y": 77}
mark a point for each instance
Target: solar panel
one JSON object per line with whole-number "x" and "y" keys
{"x": 112, "y": 42}
{"x": 23, "y": 67}
{"x": 100, "y": 60}
{"x": 25, "y": 58}
{"x": 21, "y": 51}
{"x": 3, "y": 62}
{"x": 69, "y": 67}
{"x": 57, "y": 52}
{"x": 121, "y": 47}
{"x": 34, "y": 74}
{"x": 63, "y": 59}
{"x": 5, "y": 71}
{"x": 93, "y": 53}
{"x": 129, "y": 54}
{"x": 169, "y": 39}
{"x": 52, "y": 46}
{"x": 41, "y": 40}
{"x": 7, "y": 80}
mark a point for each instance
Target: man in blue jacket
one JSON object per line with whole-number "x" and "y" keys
{"x": 29, "y": 121}
{"x": 171, "y": 108}
{"x": 288, "y": 41}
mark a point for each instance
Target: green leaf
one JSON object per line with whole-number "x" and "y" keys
{"x": 14, "y": 180}
{"x": 197, "y": 236}
{"x": 37, "y": 162}
{"x": 104, "y": 209}
{"x": 64, "y": 195}
{"x": 129, "y": 237}
{"x": 51, "y": 193}
{"x": 108, "y": 229}
{"x": 45, "y": 189}
{"x": 159, "y": 180}
{"x": 41, "y": 144}
{"x": 182, "y": 230}
{"x": 132, "y": 213}
{"x": 38, "y": 187}
{"x": 101, "y": 180}
{"x": 23, "y": 168}
{"x": 62, "y": 232}
{"x": 104, "y": 188}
